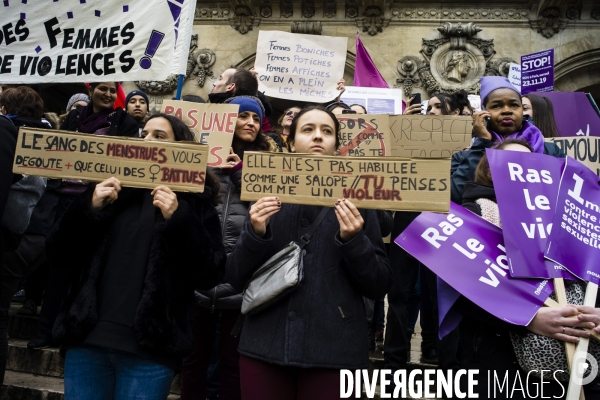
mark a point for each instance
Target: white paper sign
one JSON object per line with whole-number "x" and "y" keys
{"x": 475, "y": 101}
{"x": 300, "y": 67}
{"x": 514, "y": 75}
{"x": 375, "y": 100}
{"x": 93, "y": 40}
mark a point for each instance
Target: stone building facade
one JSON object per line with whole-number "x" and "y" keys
{"x": 422, "y": 46}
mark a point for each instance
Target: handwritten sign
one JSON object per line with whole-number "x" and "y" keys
{"x": 135, "y": 162}
{"x": 213, "y": 124}
{"x": 429, "y": 136}
{"x": 585, "y": 149}
{"x": 300, "y": 67}
{"x": 369, "y": 182}
{"x": 94, "y": 40}
{"x": 364, "y": 135}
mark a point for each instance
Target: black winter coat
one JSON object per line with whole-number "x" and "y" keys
{"x": 323, "y": 322}
{"x": 186, "y": 254}
{"x": 121, "y": 124}
{"x": 8, "y": 144}
{"x": 232, "y": 210}
{"x": 465, "y": 162}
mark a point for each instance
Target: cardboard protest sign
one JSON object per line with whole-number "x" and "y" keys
{"x": 213, "y": 124}
{"x": 429, "y": 136}
{"x": 467, "y": 252}
{"x": 94, "y": 40}
{"x": 375, "y": 100}
{"x": 135, "y": 162}
{"x": 537, "y": 72}
{"x": 575, "y": 238}
{"x": 526, "y": 186}
{"x": 364, "y": 135}
{"x": 574, "y": 114}
{"x": 300, "y": 67}
{"x": 584, "y": 149}
{"x": 383, "y": 183}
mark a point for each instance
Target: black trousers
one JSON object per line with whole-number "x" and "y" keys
{"x": 405, "y": 269}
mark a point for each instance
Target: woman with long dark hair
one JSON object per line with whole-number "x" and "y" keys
{"x": 541, "y": 112}
{"x": 296, "y": 347}
{"x": 134, "y": 258}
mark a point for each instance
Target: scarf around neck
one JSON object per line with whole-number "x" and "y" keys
{"x": 90, "y": 121}
{"x": 528, "y": 133}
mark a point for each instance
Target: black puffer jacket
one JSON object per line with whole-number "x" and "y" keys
{"x": 232, "y": 210}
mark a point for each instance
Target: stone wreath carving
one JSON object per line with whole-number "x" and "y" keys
{"x": 199, "y": 65}
{"x": 455, "y": 61}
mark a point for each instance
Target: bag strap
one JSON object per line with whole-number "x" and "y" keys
{"x": 305, "y": 239}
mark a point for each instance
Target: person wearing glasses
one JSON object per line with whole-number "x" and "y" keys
{"x": 285, "y": 121}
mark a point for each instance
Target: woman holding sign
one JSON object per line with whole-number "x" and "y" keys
{"x": 98, "y": 118}
{"x": 500, "y": 119}
{"x": 222, "y": 303}
{"x": 295, "y": 348}
{"x": 134, "y": 258}
{"x": 485, "y": 342}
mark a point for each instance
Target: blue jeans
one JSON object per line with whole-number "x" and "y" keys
{"x": 93, "y": 373}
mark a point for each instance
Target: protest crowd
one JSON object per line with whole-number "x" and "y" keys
{"x": 136, "y": 285}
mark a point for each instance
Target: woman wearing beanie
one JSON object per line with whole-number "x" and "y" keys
{"x": 222, "y": 303}
{"x": 500, "y": 119}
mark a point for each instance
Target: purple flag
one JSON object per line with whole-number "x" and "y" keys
{"x": 574, "y": 114}
{"x": 537, "y": 72}
{"x": 467, "y": 252}
{"x": 366, "y": 73}
{"x": 575, "y": 238}
{"x": 526, "y": 186}
{"x": 449, "y": 317}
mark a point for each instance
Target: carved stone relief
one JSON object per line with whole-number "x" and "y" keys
{"x": 199, "y": 65}
{"x": 307, "y": 27}
{"x": 287, "y": 8}
{"x": 372, "y": 20}
{"x": 549, "y": 22}
{"x": 329, "y": 8}
{"x": 455, "y": 61}
{"x": 351, "y": 9}
{"x": 308, "y": 8}
{"x": 215, "y": 12}
{"x": 596, "y": 13}
{"x": 460, "y": 13}
{"x": 243, "y": 19}
{"x": 265, "y": 9}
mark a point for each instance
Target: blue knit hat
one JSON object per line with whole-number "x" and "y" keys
{"x": 248, "y": 103}
{"x": 491, "y": 83}
{"x": 136, "y": 93}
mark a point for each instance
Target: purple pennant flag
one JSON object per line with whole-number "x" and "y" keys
{"x": 366, "y": 73}
{"x": 467, "y": 252}
{"x": 575, "y": 238}
{"x": 526, "y": 186}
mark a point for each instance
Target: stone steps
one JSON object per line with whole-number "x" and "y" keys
{"x": 34, "y": 374}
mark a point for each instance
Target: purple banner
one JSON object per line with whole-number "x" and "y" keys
{"x": 575, "y": 238}
{"x": 467, "y": 252}
{"x": 574, "y": 114}
{"x": 537, "y": 72}
{"x": 526, "y": 186}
